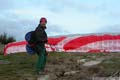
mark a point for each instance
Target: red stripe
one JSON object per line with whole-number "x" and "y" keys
{"x": 13, "y": 44}
{"x": 54, "y": 41}
{"x": 80, "y": 41}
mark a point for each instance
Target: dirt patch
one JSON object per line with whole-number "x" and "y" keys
{"x": 67, "y": 68}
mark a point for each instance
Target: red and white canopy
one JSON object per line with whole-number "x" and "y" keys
{"x": 76, "y": 43}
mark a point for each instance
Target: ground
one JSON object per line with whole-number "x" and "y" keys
{"x": 60, "y": 66}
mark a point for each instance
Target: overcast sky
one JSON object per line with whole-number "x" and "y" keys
{"x": 64, "y": 16}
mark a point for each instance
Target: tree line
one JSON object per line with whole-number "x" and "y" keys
{"x": 5, "y": 39}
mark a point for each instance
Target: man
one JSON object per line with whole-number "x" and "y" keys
{"x": 39, "y": 37}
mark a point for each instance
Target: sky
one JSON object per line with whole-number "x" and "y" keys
{"x": 17, "y": 17}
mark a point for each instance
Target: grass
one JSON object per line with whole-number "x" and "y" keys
{"x": 22, "y": 65}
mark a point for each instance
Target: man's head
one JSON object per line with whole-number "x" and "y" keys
{"x": 43, "y": 22}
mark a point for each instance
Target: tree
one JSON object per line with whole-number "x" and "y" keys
{"x": 5, "y": 39}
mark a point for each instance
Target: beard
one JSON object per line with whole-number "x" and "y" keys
{"x": 44, "y": 27}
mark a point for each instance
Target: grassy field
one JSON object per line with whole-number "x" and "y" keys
{"x": 21, "y": 66}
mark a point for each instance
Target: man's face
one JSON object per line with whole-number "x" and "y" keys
{"x": 43, "y": 24}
